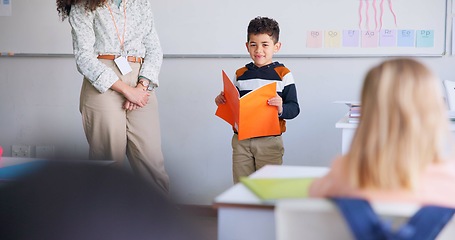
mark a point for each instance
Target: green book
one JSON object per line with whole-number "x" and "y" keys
{"x": 278, "y": 188}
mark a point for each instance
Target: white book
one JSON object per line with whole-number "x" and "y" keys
{"x": 350, "y": 104}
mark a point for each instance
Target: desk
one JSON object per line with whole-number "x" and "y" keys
{"x": 9, "y": 161}
{"x": 348, "y": 130}
{"x": 243, "y": 216}
{"x": 347, "y": 133}
{"x": 12, "y": 167}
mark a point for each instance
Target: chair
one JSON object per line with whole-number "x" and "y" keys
{"x": 320, "y": 219}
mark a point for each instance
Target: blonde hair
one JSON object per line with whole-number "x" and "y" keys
{"x": 402, "y": 126}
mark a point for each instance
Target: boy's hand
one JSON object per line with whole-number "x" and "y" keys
{"x": 276, "y": 101}
{"x": 220, "y": 99}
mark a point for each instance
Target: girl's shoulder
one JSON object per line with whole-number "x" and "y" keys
{"x": 445, "y": 169}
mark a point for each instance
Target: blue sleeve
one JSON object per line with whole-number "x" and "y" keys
{"x": 290, "y": 103}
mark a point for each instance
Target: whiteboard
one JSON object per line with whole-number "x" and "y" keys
{"x": 217, "y": 28}
{"x": 213, "y": 27}
{"x": 34, "y": 28}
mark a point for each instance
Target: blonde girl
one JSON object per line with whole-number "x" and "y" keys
{"x": 397, "y": 150}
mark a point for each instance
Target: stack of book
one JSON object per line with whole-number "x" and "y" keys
{"x": 353, "y": 115}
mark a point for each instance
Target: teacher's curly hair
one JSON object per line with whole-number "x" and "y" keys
{"x": 64, "y": 6}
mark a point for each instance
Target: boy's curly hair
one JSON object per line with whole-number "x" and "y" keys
{"x": 260, "y": 25}
{"x": 64, "y": 6}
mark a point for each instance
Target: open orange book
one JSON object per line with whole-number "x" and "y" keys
{"x": 249, "y": 115}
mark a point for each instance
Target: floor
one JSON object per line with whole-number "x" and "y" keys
{"x": 204, "y": 218}
{"x": 208, "y": 227}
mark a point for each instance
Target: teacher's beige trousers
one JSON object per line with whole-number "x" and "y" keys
{"x": 113, "y": 132}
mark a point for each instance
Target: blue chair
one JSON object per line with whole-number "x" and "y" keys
{"x": 321, "y": 219}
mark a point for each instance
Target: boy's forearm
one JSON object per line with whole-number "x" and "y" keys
{"x": 290, "y": 110}
{"x": 290, "y": 103}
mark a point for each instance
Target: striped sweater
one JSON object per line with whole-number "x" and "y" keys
{"x": 251, "y": 77}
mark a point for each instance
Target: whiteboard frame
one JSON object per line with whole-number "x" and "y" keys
{"x": 61, "y": 31}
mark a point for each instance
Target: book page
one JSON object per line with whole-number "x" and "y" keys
{"x": 257, "y": 118}
{"x": 278, "y": 188}
{"x": 229, "y": 112}
{"x": 250, "y": 115}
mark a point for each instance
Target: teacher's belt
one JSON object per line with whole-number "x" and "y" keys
{"x": 129, "y": 58}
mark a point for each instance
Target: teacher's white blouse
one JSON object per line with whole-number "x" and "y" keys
{"x": 94, "y": 33}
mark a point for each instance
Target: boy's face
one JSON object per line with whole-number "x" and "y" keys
{"x": 261, "y": 48}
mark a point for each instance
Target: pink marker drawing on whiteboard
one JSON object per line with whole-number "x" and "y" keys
{"x": 366, "y": 3}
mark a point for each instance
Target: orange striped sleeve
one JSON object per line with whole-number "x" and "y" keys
{"x": 282, "y": 71}
{"x": 240, "y": 71}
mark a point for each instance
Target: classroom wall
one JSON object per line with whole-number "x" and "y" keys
{"x": 39, "y": 99}
{"x": 39, "y": 106}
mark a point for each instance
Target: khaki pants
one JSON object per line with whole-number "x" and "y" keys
{"x": 112, "y": 131}
{"x": 251, "y": 154}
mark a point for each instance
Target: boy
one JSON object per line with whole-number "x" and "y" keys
{"x": 251, "y": 154}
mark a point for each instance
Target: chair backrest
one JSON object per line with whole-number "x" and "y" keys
{"x": 320, "y": 219}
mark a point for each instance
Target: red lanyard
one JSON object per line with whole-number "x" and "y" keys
{"x": 122, "y": 40}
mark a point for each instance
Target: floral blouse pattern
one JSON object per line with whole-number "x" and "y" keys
{"x": 94, "y": 33}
